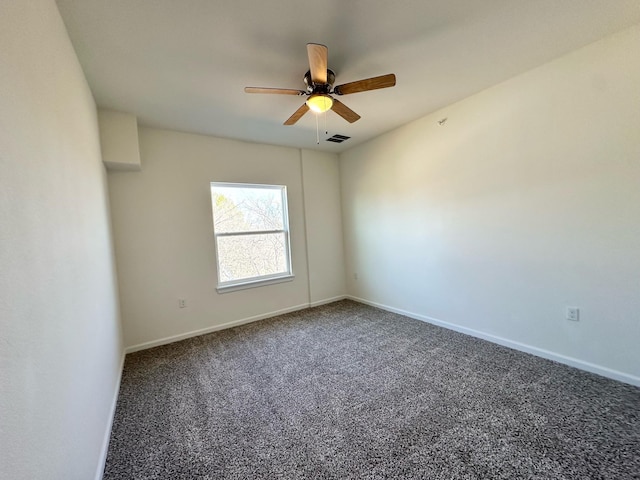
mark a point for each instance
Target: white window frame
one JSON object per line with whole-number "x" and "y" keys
{"x": 252, "y": 282}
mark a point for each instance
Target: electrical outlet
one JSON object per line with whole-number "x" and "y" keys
{"x": 355, "y": 276}
{"x": 573, "y": 314}
{"x": 182, "y": 303}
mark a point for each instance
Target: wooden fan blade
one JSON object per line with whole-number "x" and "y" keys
{"x": 297, "y": 115}
{"x": 279, "y": 91}
{"x": 318, "y": 62}
{"x": 344, "y": 111}
{"x": 373, "y": 83}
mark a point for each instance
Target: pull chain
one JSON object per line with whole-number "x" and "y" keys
{"x": 317, "y": 131}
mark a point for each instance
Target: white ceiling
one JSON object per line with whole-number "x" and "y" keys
{"x": 183, "y": 64}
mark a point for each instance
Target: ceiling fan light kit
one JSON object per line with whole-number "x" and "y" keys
{"x": 319, "y": 82}
{"x": 320, "y": 102}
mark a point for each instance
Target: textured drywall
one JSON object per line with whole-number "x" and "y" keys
{"x": 164, "y": 235}
{"x": 60, "y": 339}
{"x": 526, "y": 200}
{"x": 323, "y": 221}
{"x": 119, "y": 140}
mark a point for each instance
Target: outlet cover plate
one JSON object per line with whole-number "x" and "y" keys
{"x": 573, "y": 314}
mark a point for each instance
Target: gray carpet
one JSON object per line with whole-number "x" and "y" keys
{"x": 349, "y": 391}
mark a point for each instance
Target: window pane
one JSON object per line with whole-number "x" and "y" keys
{"x": 248, "y": 256}
{"x": 241, "y": 209}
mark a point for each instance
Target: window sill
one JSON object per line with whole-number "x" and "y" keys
{"x": 254, "y": 283}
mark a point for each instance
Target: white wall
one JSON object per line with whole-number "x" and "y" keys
{"x": 164, "y": 235}
{"x": 323, "y": 219}
{"x": 525, "y": 201}
{"x": 119, "y": 140}
{"x": 60, "y": 341}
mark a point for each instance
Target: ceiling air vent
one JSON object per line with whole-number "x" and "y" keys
{"x": 338, "y": 138}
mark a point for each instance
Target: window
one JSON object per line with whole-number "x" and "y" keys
{"x": 251, "y": 229}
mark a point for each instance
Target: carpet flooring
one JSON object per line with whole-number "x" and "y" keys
{"x": 347, "y": 391}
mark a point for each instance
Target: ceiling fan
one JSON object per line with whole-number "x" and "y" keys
{"x": 319, "y": 81}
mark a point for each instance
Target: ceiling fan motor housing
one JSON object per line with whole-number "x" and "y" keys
{"x": 319, "y": 88}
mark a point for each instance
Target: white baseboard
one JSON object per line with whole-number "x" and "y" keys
{"x": 107, "y": 434}
{"x": 215, "y": 328}
{"x": 556, "y": 357}
{"x": 327, "y": 300}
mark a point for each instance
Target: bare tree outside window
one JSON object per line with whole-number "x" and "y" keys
{"x": 250, "y": 224}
